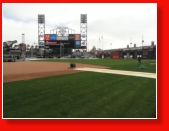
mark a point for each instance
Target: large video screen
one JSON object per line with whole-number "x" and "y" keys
{"x": 70, "y": 41}
{"x": 65, "y": 43}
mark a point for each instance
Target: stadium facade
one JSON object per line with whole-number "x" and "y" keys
{"x": 145, "y": 52}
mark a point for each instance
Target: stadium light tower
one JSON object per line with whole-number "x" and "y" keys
{"x": 23, "y": 38}
{"x": 142, "y": 41}
{"x": 142, "y": 44}
{"x": 83, "y": 30}
{"x": 41, "y": 29}
{"x": 131, "y": 41}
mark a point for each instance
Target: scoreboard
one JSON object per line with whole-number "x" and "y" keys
{"x": 69, "y": 41}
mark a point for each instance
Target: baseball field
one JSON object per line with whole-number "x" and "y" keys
{"x": 50, "y": 89}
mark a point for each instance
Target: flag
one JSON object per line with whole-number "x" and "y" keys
{"x": 102, "y": 37}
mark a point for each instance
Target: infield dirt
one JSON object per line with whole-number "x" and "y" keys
{"x": 15, "y": 71}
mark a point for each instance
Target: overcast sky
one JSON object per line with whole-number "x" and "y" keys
{"x": 118, "y": 23}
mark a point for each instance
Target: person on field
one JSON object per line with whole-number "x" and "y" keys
{"x": 139, "y": 60}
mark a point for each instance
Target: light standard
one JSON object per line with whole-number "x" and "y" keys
{"x": 32, "y": 51}
{"x": 131, "y": 41}
{"x": 87, "y": 47}
{"x": 130, "y": 45}
{"x": 63, "y": 49}
{"x": 60, "y": 49}
{"x": 142, "y": 44}
{"x": 110, "y": 45}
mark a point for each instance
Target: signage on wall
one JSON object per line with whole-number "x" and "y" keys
{"x": 77, "y": 37}
{"x": 47, "y": 37}
{"x": 41, "y": 43}
{"x": 83, "y": 43}
{"x": 52, "y": 36}
{"x": 71, "y": 36}
{"x": 50, "y": 43}
{"x": 62, "y": 38}
{"x": 83, "y": 36}
{"x": 77, "y": 43}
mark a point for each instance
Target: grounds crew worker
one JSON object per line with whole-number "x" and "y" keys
{"x": 139, "y": 60}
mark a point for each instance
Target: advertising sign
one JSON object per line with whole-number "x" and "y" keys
{"x": 41, "y": 43}
{"x": 83, "y": 43}
{"x": 52, "y": 36}
{"x": 62, "y": 37}
{"x": 83, "y": 36}
{"x": 77, "y": 43}
{"x": 71, "y": 36}
{"x": 47, "y": 37}
{"x": 77, "y": 37}
{"x": 116, "y": 56}
{"x": 50, "y": 43}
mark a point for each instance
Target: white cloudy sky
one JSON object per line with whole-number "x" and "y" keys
{"x": 116, "y": 22}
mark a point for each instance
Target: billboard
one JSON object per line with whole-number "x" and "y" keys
{"x": 71, "y": 36}
{"x": 62, "y": 38}
{"x": 77, "y": 43}
{"x": 41, "y": 43}
{"x": 46, "y": 36}
{"x": 77, "y": 37}
{"x": 116, "y": 56}
{"x": 50, "y": 43}
{"x": 52, "y": 36}
{"x": 83, "y": 43}
{"x": 83, "y": 36}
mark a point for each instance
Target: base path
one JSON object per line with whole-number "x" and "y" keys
{"x": 120, "y": 72}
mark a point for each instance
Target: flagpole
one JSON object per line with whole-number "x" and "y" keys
{"x": 102, "y": 42}
{"x": 99, "y": 40}
{"x": 97, "y": 44}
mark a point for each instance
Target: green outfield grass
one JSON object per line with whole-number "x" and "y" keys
{"x": 83, "y": 95}
{"x": 115, "y": 64}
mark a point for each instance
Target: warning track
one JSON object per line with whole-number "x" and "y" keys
{"x": 120, "y": 72}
